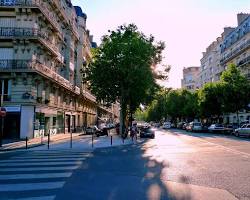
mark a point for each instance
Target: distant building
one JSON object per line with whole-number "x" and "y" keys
{"x": 232, "y": 47}
{"x": 235, "y": 47}
{"x": 210, "y": 64}
{"x": 190, "y": 78}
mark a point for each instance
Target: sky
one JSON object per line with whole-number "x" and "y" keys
{"x": 187, "y": 27}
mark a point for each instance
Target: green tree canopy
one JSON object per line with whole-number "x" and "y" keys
{"x": 121, "y": 69}
{"x": 236, "y": 93}
{"x": 210, "y": 100}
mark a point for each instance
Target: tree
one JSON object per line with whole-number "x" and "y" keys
{"x": 191, "y": 105}
{"x": 121, "y": 69}
{"x": 236, "y": 93}
{"x": 210, "y": 100}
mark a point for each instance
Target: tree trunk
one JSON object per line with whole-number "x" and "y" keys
{"x": 122, "y": 116}
{"x": 238, "y": 122}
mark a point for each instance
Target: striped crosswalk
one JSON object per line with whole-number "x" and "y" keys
{"x": 37, "y": 175}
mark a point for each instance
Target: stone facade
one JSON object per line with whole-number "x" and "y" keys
{"x": 43, "y": 46}
{"x": 232, "y": 47}
{"x": 235, "y": 49}
{"x": 190, "y": 78}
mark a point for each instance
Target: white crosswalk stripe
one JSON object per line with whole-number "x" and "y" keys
{"x": 42, "y": 172}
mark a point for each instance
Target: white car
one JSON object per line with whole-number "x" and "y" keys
{"x": 166, "y": 125}
{"x": 243, "y": 131}
{"x": 216, "y": 128}
{"x": 196, "y": 126}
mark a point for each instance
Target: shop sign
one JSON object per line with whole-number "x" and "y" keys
{"x": 13, "y": 109}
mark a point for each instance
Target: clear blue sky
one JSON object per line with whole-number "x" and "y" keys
{"x": 186, "y": 26}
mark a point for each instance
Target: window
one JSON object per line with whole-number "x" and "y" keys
{"x": 5, "y": 86}
{"x": 54, "y": 122}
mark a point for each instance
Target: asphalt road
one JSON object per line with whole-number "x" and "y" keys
{"x": 175, "y": 165}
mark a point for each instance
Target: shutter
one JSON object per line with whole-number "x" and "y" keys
{"x": 6, "y": 53}
{"x": 7, "y": 22}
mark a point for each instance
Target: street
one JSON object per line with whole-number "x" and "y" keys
{"x": 175, "y": 165}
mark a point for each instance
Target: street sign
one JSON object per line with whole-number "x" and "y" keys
{"x": 2, "y": 112}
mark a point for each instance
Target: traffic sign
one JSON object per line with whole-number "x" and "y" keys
{"x": 2, "y": 112}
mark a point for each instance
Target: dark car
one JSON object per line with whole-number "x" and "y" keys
{"x": 147, "y": 132}
{"x": 91, "y": 130}
{"x": 102, "y": 130}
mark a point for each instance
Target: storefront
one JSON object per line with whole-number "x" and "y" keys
{"x": 12, "y": 123}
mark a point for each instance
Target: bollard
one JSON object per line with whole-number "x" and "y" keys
{"x": 26, "y": 143}
{"x": 48, "y": 140}
{"x": 41, "y": 138}
{"x": 71, "y": 139}
{"x": 111, "y": 140}
{"x": 92, "y": 140}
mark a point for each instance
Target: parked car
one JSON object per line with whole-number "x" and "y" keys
{"x": 185, "y": 126}
{"x": 243, "y": 131}
{"x": 91, "y": 130}
{"x": 188, "y": 127}
{"x": 219, "y": 128}
{"x": 147, "y": 132}
{"x": 196, "y": 126}
{"x": 157, "y": 125}
{"x": 180, "y": 125}
{"x": 166, "y": 125}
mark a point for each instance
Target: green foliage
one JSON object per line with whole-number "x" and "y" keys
{"x": 121, "y": 68}
{"x": 236, "y": 93}
{"x": 210, "y": 100}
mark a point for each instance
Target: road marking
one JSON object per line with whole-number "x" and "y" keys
{"x": 34, "y": 176}
{"x": 223, "y": 147}
{"x": 30, "y": 186}
{"x": 36, "y": 198}
{"x": 39, "y": 164}
{"x": 42, "y": 160}
{"x": 25, "y": 169}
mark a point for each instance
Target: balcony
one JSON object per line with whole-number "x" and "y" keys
{"x": 35, "y": 4}
{"x": 56, "y": 4}
{"x": 244, "y": 61}
{"x": 235, "y": 52}
{"x": 31, "y": 33}
{"x": 88, "y": 95}
{"x": 35, "y": 65}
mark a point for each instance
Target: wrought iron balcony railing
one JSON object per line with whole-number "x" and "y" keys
{"x": 37, "y": 66}
{"x": 235, "y": 52}
{"x": 244, "y": 61}
{"x": 36, "y": 4}
{"x": 31, "y": 33}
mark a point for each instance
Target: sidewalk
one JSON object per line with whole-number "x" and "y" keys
{"x": 63, "y": 141}
{"x": 83, "y": 143}
{"x": 16, "y": 145}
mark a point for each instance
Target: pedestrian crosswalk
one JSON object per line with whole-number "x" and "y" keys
{"x": 37, "y": 175}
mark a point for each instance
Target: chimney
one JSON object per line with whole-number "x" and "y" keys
{"x": 241, "y": 17}
{"x": 227, "y": 31}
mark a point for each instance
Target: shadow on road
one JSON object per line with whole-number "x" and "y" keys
{"x": 128, "y": 172}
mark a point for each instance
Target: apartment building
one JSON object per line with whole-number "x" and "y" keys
{"x": 210, "y": 64}
{"x": 235, "y": 48}
{"x": 232, "y": 47}
{"x": 43, "y": 46}
{"x": 190, "y": 78}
